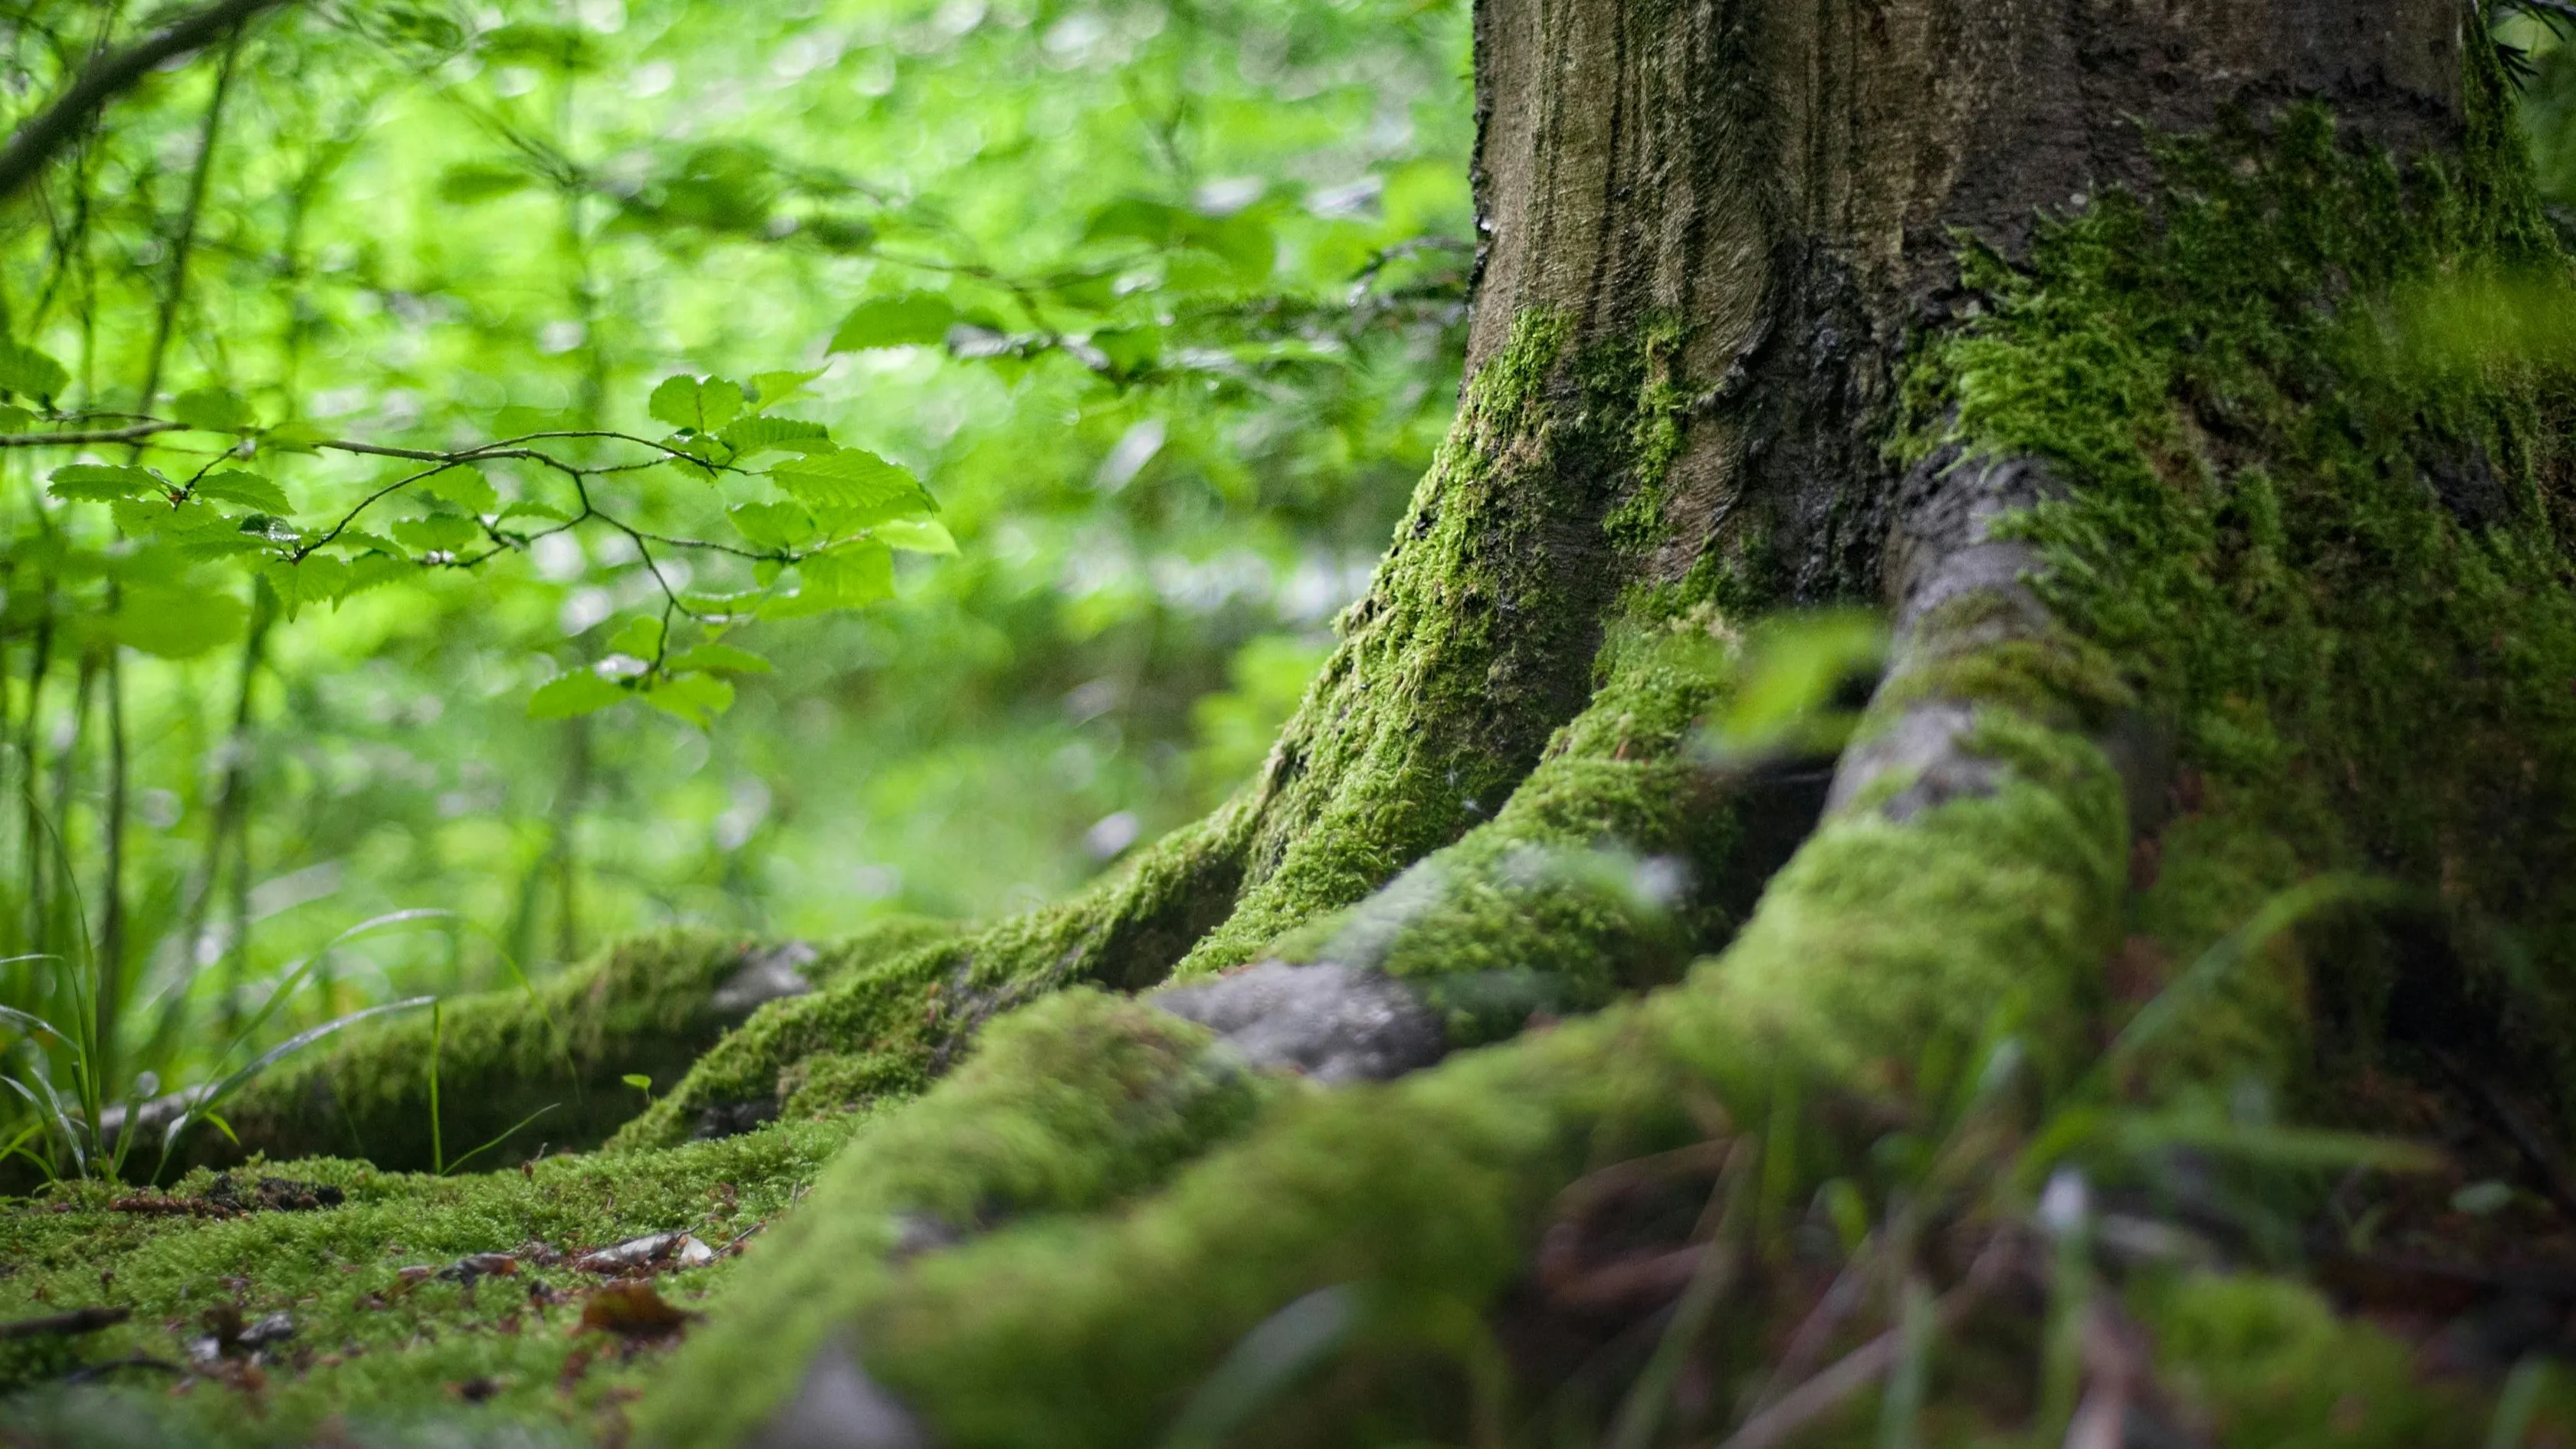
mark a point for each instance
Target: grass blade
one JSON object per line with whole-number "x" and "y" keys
{"x": 209, "y": 1098}
{"x": 497, "y": 1141}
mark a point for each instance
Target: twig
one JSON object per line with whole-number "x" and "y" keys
{"x": 64, "y": 1325}
{"x": 60, "y": 124}
{"x": 88, "y": 435}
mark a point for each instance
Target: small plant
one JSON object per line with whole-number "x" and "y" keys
{"x": 96, "y": 1138}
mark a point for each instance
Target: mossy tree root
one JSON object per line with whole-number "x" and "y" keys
{"x": 884, "y": 1031}
{"x": 550, "y": 1059}
{"x": 1883, "y": 939}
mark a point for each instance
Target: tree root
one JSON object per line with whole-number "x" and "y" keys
{"x": 883, "y": 1032}
{"x": 1893, "y": 933}
{"x": 553, "y": 1057}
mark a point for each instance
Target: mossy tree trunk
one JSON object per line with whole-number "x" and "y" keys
{"x": 2189, "y": 549}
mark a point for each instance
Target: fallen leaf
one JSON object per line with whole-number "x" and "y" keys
{"x": 480, "y": 1265}
{"x": 632, "y": 1310}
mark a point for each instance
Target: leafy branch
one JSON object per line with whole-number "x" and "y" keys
{"x": 835, "y": 517}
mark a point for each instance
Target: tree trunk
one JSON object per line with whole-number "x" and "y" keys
{"x": 2083, "y": 338}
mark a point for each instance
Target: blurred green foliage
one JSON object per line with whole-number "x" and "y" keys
{"x": 1161, "y": 303}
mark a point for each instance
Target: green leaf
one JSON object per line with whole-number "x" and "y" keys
{"x": 756, "y": 434}
{"x": 250, "y": 490}
{"x": 852, "y": 481}
{"x": 773, "y": 525}
{"x": 175, "y": 623}
{"x": 1243, "y": 240}
{"x": 574, "y": 692}
{"x": 914, "y": 317}
{"x": 1133, "y": 218}
{"x": 717, "y": 659}
{"x": 463, "y": 486}
{"x": 686, "y": 402}
{"x": 638, "y": 1081}
{"x": 468, "y": 182}
{"x": 846, "y": 578}
{"x": 566, "y": 48}
{"x": 14, "y": 419}
{"x": 103, "y": 482}
{"x": 1129, "y": 349}
{"x": 375, "y": 570}
{"x": 532, "y": 508}
{"x": 440, "y": 531}
{"x": 358, "y": 540}
{"x": 915, "y": 535}
{"x": 769, "y": 389}
{"x": 296, "y": 437}
{"x": 214, "y": 409}
{"x": 30, "y": 373}
{"x": 640, "y": 636}
{"x": 697, "y": 698}
{"x": 314, "y": 579}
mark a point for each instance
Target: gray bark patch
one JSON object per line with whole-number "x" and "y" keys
{"x": 1333, "y": 1022}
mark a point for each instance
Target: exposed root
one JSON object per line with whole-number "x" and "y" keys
{"x": 884, "y": 1031}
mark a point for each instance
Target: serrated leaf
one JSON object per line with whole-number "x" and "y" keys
{"x": 267, "y": 528}
{"x": 756, "y": 434}
{"x": 250, "y": 490}
{"x": 640, "y": 636}
{"x": 359, "y": 541}
{"x": 464, "y": 487}
{"x": 697, "y": 698}
{"x": 575, "y": 692}
{"x": 908, "y": 320}
{"x": 769, "y": 389}
{"x": 773, "y": 525}
{"x": 207, "y": 547}
{"x": 214, "y": 409}
{"x": 376, "y": 570}
{"x": 103, "y": 482}
{"x": 314, "y": 579}
{"x": 29, "y": 373}
{"x": 686, "y": 402}
{"x": 14, "y": 419}
{"x": 852, "y": 480}
{"x": 532, "y": 508}
{"x": 915, "y": 535}
{"x": 175, "y": 623}
{"x": 440, "y": 531}
{"x": 717, "y": 658}
{"x": 848, "y": 577}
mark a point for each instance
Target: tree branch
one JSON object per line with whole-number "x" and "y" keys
{"x": 38, "y": 140}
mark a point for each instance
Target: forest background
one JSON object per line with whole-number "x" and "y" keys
{"x": 1162, "y": 305}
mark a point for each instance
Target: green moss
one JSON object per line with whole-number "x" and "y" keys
{"x": 882, "y": 1031}
{"x": 2341, "y": 572}
{"x": 1478, "y": 635}
{"x": 372, "y": 1357}
{"x": 1072, "y": 1104}
{"x": 1614, "y": 862}
{"x": 560, "y": 1050}
{"x": 2262, "y": 1360}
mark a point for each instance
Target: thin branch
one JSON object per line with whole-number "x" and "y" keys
{"x": 46, "y": 134}
{"x": 90, "y": 435}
